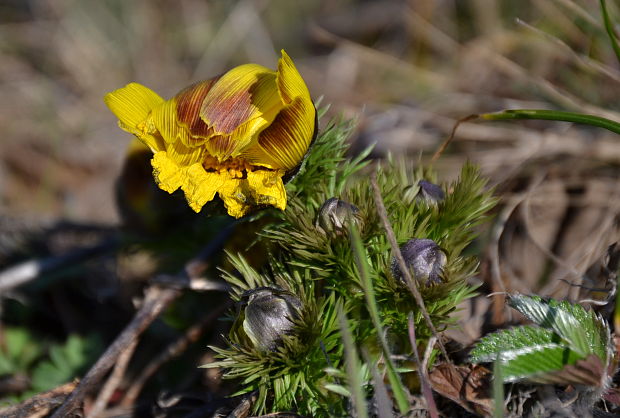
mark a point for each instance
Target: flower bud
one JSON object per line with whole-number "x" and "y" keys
{"x": 425, "y": 260}
{"x": 335, "y": 215}
{"x": 269, "y": 315}
{"x": 430, "y": 193}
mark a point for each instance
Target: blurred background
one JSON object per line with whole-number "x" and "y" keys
{"x": 405, "y": 70}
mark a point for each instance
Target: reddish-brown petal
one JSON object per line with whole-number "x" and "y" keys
{"x": 244, "y": 93}
{"x": 221, "y": 147}
{"x": 285, "y": 142}
{"x": 188, "y": 105}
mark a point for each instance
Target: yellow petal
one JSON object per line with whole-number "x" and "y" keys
{"x": 235, "y": 135}
{"x": 290, "y": 83}
{"x": 172, "y": 129}
{"x": 285, "y": 142}
{"x": 167, "y": 173}
{"x": 132, "y": 105}
{"x": 240, "y": 104}
{"x": 184, "y": 156}
{"x": 185, "y": 112}
{"x": 239, "y": 95}
{"x": 260, "y": 188}
{"x": 200, "y": 186}
{"x": 267, "y": 188}
{"x": 236, "y": 197}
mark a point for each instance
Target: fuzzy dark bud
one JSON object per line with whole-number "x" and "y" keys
{"x": 335, "y": 215}
{"x": 425, "y": 260}
{"x": 269, "y": 315}
{"x": 431, "y": 193}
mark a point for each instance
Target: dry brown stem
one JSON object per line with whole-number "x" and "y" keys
{"x": 173, "y": 350}
{"x": 401, "y": 261}
{"x": 39, "y": 405}
{"x": 156, "y": 300}
{"x": 113, "y": 381}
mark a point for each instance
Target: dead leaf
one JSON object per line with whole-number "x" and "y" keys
{"x": 468, "y": 386}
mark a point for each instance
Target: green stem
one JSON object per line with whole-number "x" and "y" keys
{"x": 543, "y": 114}
{"x": 366, "y": 282}
{"x": 610, "y": 29}
{"x": 498, "y": 389}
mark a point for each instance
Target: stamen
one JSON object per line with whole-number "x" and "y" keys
{"x": 235, "y": 168}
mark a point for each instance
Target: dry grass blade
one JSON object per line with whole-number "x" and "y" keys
{"x": 582, "y": 60}
{"x": 352, "y": 367}
{"x": 155, "y": 302}
{"x": 516, "y": 71}
{"x": 173, "y": 350}
{"x": 424, "y": 383}
{"x": 579, "y": 12}
{"x": 113, "y": 381}
{"x": 401, "y": 261}
{"x": 382, "y": 399}
{"x": 32, "y": 269}
{"x": 40, "y": 405}
{"x": 445, "y": 143}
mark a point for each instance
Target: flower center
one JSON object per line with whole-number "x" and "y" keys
{"x": 235, "y": 168}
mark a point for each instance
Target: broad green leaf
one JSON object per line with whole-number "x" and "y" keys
{"x": 567, "y": 333}
{"x": 524, "y": 352}
{"x": 22, "y": 349}
{"x": 66, "y": 362}
{"x": 534, "y": 365}
{"x": 516, "y": 339}
{"x": 583, "y": 331}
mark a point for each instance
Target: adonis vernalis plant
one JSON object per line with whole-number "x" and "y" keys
{"x": 243, "y": 135}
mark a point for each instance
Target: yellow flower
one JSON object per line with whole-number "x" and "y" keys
{"x": 236, "y": 135}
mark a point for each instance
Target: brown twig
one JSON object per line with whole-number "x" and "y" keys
{"x": 113, "y": 381}
{"x": 39, "y": 405}
{"x": 243, "y": 409}
{"x": 155, "y": 301}
{"x": 174, "y": 349}
{"x": 401, "y": 261}
{"x": 498, "y": 286}
{"x": 445, "y": 143}
{"x": 424, "y": 383}
{"x": 29, "y": 270}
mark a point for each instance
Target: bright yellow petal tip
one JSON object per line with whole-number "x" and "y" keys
{"x": 290, "y": 83}
{"x": 132, "y": 105}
